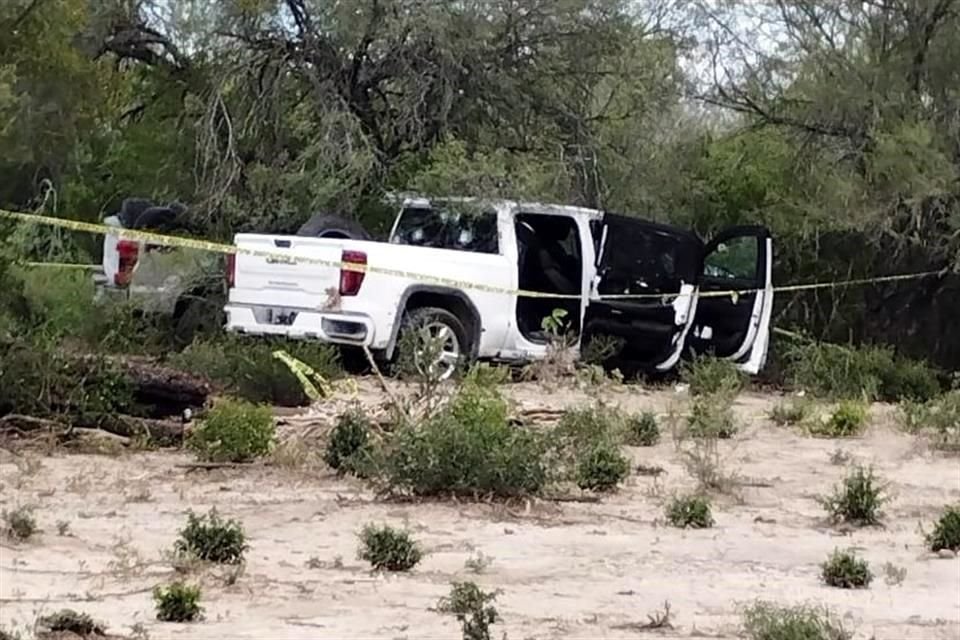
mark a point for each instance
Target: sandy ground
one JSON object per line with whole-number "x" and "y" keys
{"x": 566, "y": 570}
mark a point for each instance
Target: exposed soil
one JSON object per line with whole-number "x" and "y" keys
{"x": 567, "y": 570}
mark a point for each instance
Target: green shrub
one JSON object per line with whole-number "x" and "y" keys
{"x": 234, "y": 431}
{"x": 706, "y": 375}
{"x": 602, "y": 468}
{"x": 20, "y": 524}
{"x": 690, "y": 512}
{"x": 585, "y": 426}
{"x": 177, "y": 602}
{"x": 389, "y": 549}
{"x": 473, "y": 608}
{"x": 40, "y": 379}
{"x": 642, "y": 430}
{"x": 487, "y": 376}
{"x": 468, "y": 448}
{"x": 837, "y": 372}
{"x": 711, "y": 416}
{"x": 939, "y": 419}
{"x": 349, "y": 449}
{"x": 70, "y": 621}
{"x": 769, "y": 621}
{"x": 62, "y": 302}
{"x": 247, "y": 368}
{"x": 845, "y": 570}
{"x": 946, "y": 533}
{"x": 857, "y": 500}
{"x": 212, "y": 539}
{"x": 907, "y": 379}
{"x": 791, "y": 413}
{"x": 848, "y": 419}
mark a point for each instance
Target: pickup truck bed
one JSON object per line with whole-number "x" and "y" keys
{"x": 300, "y": 293}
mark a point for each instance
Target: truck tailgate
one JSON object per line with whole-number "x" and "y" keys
{"x": 293, "y": 277}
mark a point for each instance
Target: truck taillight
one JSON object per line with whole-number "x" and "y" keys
{"x": 129, "y": 253}
{"x": 350, "y": 280}
{"x": 231, "y": 269}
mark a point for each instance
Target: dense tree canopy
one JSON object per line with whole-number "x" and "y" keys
{"x": 835, "y": 122}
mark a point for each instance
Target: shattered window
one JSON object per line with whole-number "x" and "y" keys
{"x": 735, "y": 259}
{"x": 442, "y": 228}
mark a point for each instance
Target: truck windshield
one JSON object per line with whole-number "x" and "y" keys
{"x": 442, "y": 228}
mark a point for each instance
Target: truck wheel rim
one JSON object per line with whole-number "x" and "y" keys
{"x": 445, "y": 364}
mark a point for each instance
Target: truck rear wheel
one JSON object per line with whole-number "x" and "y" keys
{"x": 325, "y": 225}
{"x": 434, "y": 343}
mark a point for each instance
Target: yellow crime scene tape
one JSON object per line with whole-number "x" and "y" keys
{"x": 315, "y": 386}
{"x": 217, "y": 247}
{"x": 309, "y": 379}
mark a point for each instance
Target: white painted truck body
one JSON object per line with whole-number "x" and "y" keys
{"x": 263, "y": 285}
{"x": 290, "y": 294}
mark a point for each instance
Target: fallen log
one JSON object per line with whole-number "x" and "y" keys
{"x": 159, "y": 432}
{"x": 15, "y": 421}
{"x": 169, "y": 391}
{"x": 163, "y": 386}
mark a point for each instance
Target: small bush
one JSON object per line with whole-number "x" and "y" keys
{"x": 712, "y": 417}
{"x": 938, "y": 419}
{"x": 349, "y": 449}
{"x": 690, "y": 512}
{"x": 602, "y": 468}
{"x": 858, "y": 500}
{"x": 478, "y": 563}
{"x": 768, "y": 621}
{"x": 468, "y": 448}
{"x": 389, "y": 549}
{"x": 234, "y": 431}
{"x": 848, "y": 419}
{"x": 894, "y": 575}
{"x": 178, "y": 602}
{"x": 69, "y": 620}
{"x": 708, "y": 376}
{"x": 473, "y": 608}
{"x": 791, "y": 413}
{"x": 904, "y": 379}
{"x": 642, "y": 430}
{"x": 845, "y": 570}
{"x": 946, "y": 533}
{"x": 836, "y": 371}
{"x": 247, "y": 368}
{"x": 585, "y": 426}
{"x": 10, "y": 635}
{"x": 212, "y": 539}
{"x": 20, "y": 524}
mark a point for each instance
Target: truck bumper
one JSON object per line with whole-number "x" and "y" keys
{"x": 337, "y": 328}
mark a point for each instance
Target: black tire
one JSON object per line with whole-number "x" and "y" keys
{"x": 325, "y": 225}
{"x": 198, "y": 312}
{"x": 131, "y": 209}
{"x": 157, "y": 219}
{"x": 415, "y": 319}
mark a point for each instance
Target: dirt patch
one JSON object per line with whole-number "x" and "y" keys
{"x": 567, "y": 570}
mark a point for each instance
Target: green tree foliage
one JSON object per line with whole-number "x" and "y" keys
{"x": 842, "y": 138}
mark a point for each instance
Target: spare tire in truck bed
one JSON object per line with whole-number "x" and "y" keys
{"x": 131, "y": 209}
{"x": 157, "y": 219}
{"x": 326, "y": 225}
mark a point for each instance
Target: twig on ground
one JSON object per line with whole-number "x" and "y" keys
{"x": 383, "y": 382}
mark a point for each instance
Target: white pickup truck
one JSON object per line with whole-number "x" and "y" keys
{"x": 641, "y": 282}
{"x": 182, "y": 285}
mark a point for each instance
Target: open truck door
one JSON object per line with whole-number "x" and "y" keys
{"x": 643, "y": 294}
{"x": 735, "y": 298}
